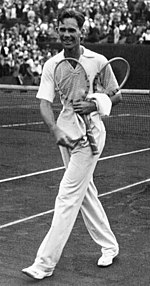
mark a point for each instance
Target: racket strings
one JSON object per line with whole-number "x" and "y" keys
{"x": 105, "y": 81}
{"x": 120, "y": 70}
{"x": 71, "y": 84}
{"x": 74, "y": 86}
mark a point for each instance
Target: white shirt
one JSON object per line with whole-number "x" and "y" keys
{"x": 68, "y": 120}
{"x": 92, "y": 63}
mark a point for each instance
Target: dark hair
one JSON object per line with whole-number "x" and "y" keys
{"x": 69, "y": 13}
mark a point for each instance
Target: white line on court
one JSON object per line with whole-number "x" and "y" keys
{"x": 21, "y": 124}
{"x": 25, "y": 219}
{"x": 124, "y": 188}
{"x": 51, "y": 211}
{"x": 61, "y": 168}
{"x": 41, "y": 122}
{"x": 31, "y": 174}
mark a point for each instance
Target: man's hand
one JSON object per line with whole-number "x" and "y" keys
{"x": 63, "y": 139}
{"x": 84, "y": 107}
{"x": 48, "y": 117}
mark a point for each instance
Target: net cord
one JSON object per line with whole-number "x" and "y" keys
{"x": 35, "y": 88}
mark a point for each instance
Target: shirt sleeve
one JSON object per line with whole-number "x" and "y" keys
{"x": 46, "y": 88}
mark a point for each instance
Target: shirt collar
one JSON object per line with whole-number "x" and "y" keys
{"x": 86, "y": 53}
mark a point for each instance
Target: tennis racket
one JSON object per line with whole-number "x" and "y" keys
{"x": 72, "y": 84}
{"x": 105, "y": 79}
{"x": 75, "y": 85}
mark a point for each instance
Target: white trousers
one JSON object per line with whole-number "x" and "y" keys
{"x": 77, "y": 192}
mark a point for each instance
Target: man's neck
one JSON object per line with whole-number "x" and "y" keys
{"x": 73, "y": 53}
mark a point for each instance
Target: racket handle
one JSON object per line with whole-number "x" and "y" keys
{"x": 90, "y": 136}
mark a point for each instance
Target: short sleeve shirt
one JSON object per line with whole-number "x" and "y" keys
{"x": 70, "y": 122}
{"x": 92, "y": 63}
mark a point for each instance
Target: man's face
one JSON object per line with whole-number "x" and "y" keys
{"x": 69, "y": 33}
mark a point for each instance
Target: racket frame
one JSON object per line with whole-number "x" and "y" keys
{"x": 89, "y": 132}
{"x": 123, "y": 81}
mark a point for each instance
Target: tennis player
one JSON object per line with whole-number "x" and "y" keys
{"x": 77, "y": 190}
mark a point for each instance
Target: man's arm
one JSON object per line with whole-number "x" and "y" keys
{"x": 47, "y": 114}
{"x": 84, "y": 107}
{"x": 115, "y": 99}
{"x": 48, "y": 117}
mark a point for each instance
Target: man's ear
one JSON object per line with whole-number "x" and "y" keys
{"x": 83, "y": 31}
{"x": 57, "y": 30}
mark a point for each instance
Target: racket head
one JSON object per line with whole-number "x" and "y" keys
{"x": 70, "y": 80}
{"x": 112, "y": 83}
{"x": 72, "y": 84}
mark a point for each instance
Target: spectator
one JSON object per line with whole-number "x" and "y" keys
{"x": 26, "y": 24}
{"x": 19, "y": 10}
{"x": 31, "y": 14}
{"x": 145, "y": 38}
{"x": 1, "y": 65}
{"x": 15, "y": 74}
{"x": 52, "y": 34}
{"x": 42, "y": 9}
{"x": 25, "y": 11}
{"x": 110, "y": 38}
{"x": 93, "y": 32}
{"x": 13, "y": 12}
{"x": 37, "y": 71}
{"x": 138, "y": 30}
{"x": 4, "y": 49}
{"x": 147, "y": 11}
{"x": 116, "y": 33}
{"x": 25, "y": 73}
{"x": 138, "y": 10}
{"x": 123, "y": 29}
{"x": 36, "y": 8}
{"x": 6, "y": 66}
{"x": 37, "y": 68}
{"x": 2, "y": 16}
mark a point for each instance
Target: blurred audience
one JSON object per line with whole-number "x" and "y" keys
{"x": 27, "y": 27}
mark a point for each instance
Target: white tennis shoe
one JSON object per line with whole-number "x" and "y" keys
{"x": 36, "y": 273}
{"x": 106, "y": 260}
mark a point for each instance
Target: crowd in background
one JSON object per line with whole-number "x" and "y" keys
{"x": 27, "y": 27}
